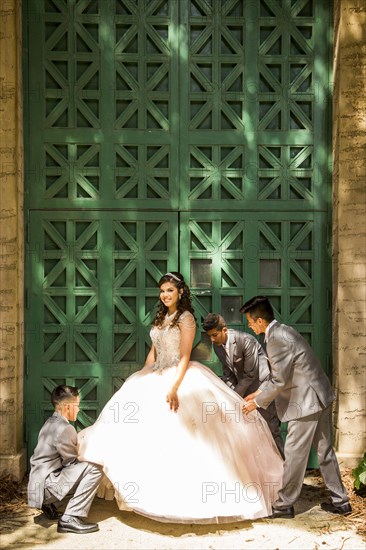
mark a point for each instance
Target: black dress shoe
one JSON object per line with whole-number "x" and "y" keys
{"x": 343, "y": 509}
{"x": 50, "y": 511}
{"x": 282, "y": 513}
{"x": 76, "y": 525}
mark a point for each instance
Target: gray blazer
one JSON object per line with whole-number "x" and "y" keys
{"x": 246, "y": 366}
{"x": 56, "y": 449}
{"x": 298, "y": 384}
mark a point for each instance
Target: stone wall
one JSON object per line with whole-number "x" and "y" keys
{"x": 349, "y": 228}
{"x": 12, "y": 453}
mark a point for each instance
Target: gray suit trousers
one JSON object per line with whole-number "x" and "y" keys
{"x": 270, "y": 416}
{"x": 75, "y": 485}
{"x": 315, "y": 430}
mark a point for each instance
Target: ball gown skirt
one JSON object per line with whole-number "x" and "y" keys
{"x": 205, "y": 463}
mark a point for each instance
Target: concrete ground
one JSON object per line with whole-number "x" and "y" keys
{"x": 312, "y": 528}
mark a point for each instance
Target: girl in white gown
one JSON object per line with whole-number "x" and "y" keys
{"x": 173, "y": 441}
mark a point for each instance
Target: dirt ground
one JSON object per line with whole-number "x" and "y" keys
{"x": 312, "y": 528}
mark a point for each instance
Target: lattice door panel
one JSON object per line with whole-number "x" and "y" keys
{"x": 143, "y": 64}
{"x": 91, "y": 297}
{"x": 254, "y": 108}
{"x": 72, "y": 171}
{"x": 71, "y": 26}
{"x": 178, "y": 104}
{"x": 103, "y": 99}
{"x": 286, "y": 71}
{"x": 232, "y": 258}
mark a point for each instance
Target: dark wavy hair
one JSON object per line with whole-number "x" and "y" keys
{"x": 184, "y": 304}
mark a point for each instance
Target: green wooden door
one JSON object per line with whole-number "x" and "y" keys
{"x": 165, "y": 134}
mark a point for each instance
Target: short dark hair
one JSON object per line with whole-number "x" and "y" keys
{"x": 213, "y": 321}
{"x": 259, "y": 306}
{"x": 63, "y": 393}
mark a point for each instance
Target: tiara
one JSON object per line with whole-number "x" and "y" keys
{"x": 174, "y": 277}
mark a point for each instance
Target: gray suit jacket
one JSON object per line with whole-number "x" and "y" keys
{"x": 298, "y": 384}
{"x": 245, "y": 367}
{"x": 56, "y": 449}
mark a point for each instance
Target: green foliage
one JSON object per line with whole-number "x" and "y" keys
{"x": 359, "y": 474}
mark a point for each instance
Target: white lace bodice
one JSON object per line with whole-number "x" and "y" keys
{"x": 166, "y": 340}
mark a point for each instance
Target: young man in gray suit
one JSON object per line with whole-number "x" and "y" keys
{"x": 56, "y": 475}
{"x": 303, "y": 397}
{"x": 245, "y": 366}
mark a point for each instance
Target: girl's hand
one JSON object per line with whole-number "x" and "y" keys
{"x": 172, "y": 399}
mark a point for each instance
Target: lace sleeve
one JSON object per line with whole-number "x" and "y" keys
{"x": 188, "y": 319}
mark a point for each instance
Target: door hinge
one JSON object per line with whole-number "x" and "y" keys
{"x": 329, "y": 365}
{"x": 26, "y": 436}
{"x": 329, "y": 299}
{"x": 27, "y": 232}
{"x": 26, "y": 365}
{"x": 26, "y": 298}
{"x": 329, "y": 234}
